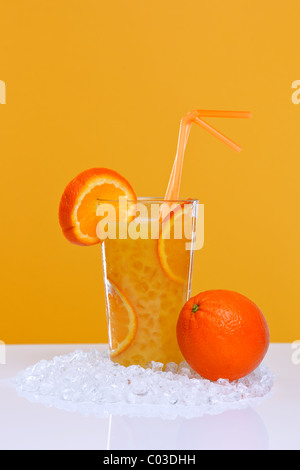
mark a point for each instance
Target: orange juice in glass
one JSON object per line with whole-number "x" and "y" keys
{"x": 148, "y": 263}
{"x": 147, "y": 270}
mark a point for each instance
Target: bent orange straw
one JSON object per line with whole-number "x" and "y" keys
{"x": 185, "y": 126}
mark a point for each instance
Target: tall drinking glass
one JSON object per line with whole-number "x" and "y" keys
{"x": 147, "y": 267}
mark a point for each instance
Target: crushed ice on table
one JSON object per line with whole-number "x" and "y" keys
{"x": 90, "y": 382}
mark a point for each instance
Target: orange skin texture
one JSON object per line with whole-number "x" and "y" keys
{"x": 70, "y": 196}
{"x": 227, "y": 337}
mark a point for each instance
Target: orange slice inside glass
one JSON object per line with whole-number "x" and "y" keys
{"x": 78, "y": 206}
{"x": 176, "y": 232}
{"x": 122, "y": 320}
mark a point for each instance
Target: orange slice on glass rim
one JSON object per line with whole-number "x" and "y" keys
{"x": 78, "y": 206}
{"x": 172, "y": 252}
{"x": 122, "y": 320}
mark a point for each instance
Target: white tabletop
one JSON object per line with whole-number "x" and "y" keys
{"x": 273, "y": 424}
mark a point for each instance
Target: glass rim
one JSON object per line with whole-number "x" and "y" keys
{"x": 153, "y": 199}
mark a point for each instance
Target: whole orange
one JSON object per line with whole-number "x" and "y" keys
{"x": 222, "y": 334}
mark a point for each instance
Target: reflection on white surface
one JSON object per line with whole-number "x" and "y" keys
{"x": 91, "y": 383}
{"x": 138, "y": 427}
{"x": 204, "y": 415}
{"x": 274, "y": 424}
{"x": 234, "y": 429}
{"x": 34, "y": 426}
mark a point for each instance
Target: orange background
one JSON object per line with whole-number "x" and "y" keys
{"x": 94, "y": 83}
